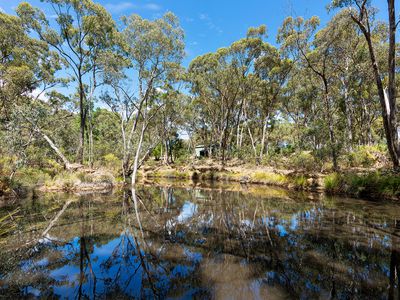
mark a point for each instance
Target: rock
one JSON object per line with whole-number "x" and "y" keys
{"x": 244, "y": 179}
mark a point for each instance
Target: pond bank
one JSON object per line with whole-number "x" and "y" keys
{"x": 355, "y": 183}
{"x": 371, "y": 184}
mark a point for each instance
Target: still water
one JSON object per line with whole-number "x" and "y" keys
{"x": 199, "y": 241}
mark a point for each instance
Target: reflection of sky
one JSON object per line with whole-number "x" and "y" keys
{"x": 108, "y": 264}
{"x": 114, "y": 264}
{"x": 188, "y": 210}
{"x": 281, "y": 230}
{"x": 294, "y": 222}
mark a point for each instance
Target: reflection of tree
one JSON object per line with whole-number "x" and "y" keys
{"x": 84, "y": 263}
{"x": 395, "y": 265}
{"x": 162, "y": 242}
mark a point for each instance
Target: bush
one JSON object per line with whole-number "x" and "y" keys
{"x": 269, "y": 178}
{"x": 369, "y": 185}
{"x": 366, "y": 156}
{"x": 112, "y": 162}
{"x": 303, "y": 161}
{"x": 332, "y": 182}
{"x": 300, "y": 182}
{"x": 31, "y": 176}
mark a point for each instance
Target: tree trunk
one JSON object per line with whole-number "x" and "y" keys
{"x": 66, "y": 163}
{"x": 138, "y": 149}
{"x": 332, "y": 138}
{"x": 348, "y": 112}
{"x": 394, "y": 125}
{"x": 386, "y": 100}
{"x": 82, "y": 115}
{"x": 252, "y": 143}
{"x": 264, "y": 135}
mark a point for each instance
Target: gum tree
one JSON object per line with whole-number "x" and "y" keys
{"x": 154, "y": 51}
{"x": 82, "y": 33}
{"x": 26, "y": 73}
{"x": 362, "y": 13}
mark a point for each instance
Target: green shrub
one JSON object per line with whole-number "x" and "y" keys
{"x": 368, "y": 185}
{"x": 365, "y": 156}
{"x": 300, "y": 181}
{"x": 31, "y": 176}
{"x": 332, "y": 182}
{"x": 268, "y": 178}
{"x": 111, "y": 161}
{"x": 303, "y": 161}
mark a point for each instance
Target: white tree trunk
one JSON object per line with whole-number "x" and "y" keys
{"x": 138, "y": 149}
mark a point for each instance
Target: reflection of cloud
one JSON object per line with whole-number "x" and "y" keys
{"x": 209, "y": 23}
{"x": 188, "y": 210}
{"x": 123, "y": 6}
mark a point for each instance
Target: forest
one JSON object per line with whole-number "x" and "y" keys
{"x": 81, "y": 91}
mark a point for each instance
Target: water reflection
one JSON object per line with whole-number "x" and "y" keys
{"x": 201, "y": 242}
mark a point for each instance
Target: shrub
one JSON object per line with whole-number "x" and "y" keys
{"x": 300, "y": 181}
{"x": 366, "y": 156}
{"x": 303, "y": 161}
{"x": 332, "y": 182}
{"x": 370, "y": 185}
{"x": 269, "y": 178}
{"x": 31, "y": 177}
{"x": 112, "y": 162}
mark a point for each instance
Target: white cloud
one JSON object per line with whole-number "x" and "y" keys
{"x": 2, "y": 10}
{"x": 151, "y": 6}
{"x": 39, "y": 94}
{"x": 121, "y": 7}
{"x": 209, "y": 23}
{"x": 203, "y": 17}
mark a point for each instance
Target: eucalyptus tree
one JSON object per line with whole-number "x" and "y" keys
{"x": 153, "y": 51}
{"x": 220, "y": 83}
{"x": 27, "y": 72}
{"x": 296, "y": 35}
{"x": 363, "y": 14}
{"x": 274, "y": 71}
{"x": 83, "y": 33}
{"x": 301, "y": 107}
{"x": 170, "y": 120}
{"x": 216, "y": 84}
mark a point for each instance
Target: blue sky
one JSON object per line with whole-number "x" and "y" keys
{"x": 211, "y": 24}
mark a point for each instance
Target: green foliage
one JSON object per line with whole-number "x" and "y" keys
{"x": 269, "y": 178}
{"x": 303, "y": 161}
{"x": 332, "y": 182}
{"x": 368, "y": 185}
{"x": 300, "y": 182}
{"x": 299, "y": 105}
{"x": 365, "y": 156}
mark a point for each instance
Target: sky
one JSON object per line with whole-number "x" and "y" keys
{"x": 212, "y": 24}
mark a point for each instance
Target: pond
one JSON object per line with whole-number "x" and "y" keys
{"x": 183, "y": 241}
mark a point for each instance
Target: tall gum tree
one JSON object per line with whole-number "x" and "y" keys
{"x": 362, "y": 13}
{"x": 296, "y": 37}
{"x": 154, "y": 50}
{"x": 26, "y": 72}
{"x": 84, "y": 30}
{"x": 221, "y": 85}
